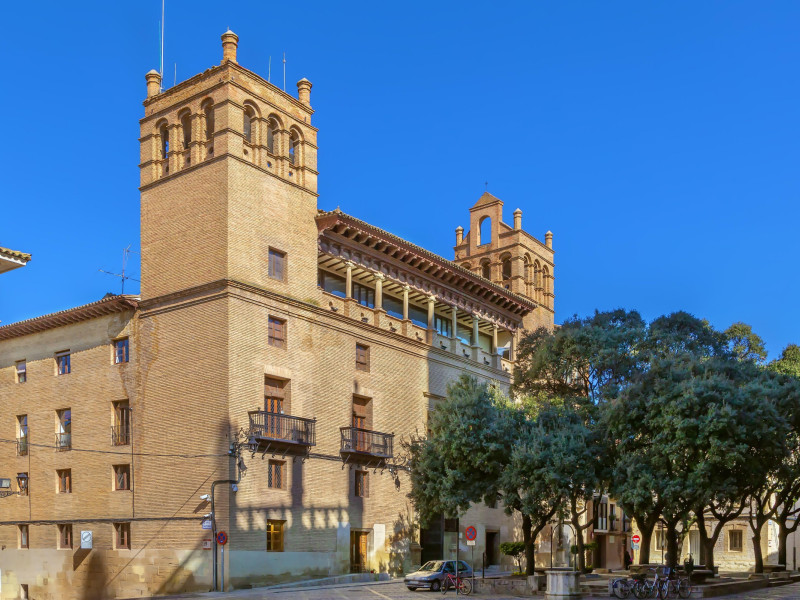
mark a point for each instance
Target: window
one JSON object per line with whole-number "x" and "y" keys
{"x": 393, "y": 306}
{"x": 122, "y": 536}
{"x": 735, "y": 540}
{"x": 362, "y": 484}
{"x": 486, "y": 270}
{"x": 364, "y": 295}
{"x": 22, "y": 373}
{"x": 22, "y": 484}
{"x": 275, "y": 474}
{"x": 64, "y": 481}
{"x": 163, "y": 134}
{"x": 64, "y": 429}
{"x": 417, "y": 315}
{"x": 208, "y": 111}
{"x": 362, "y": 357}
{"x": 24, "y": 540}
{"x": 121, "y": 430}
{"x": 249, "y": 123}
{"x": 186, "y": 127}
{"x": 22, "y": 435}
{"x": 506, "y": 268}
{"x": 485, "y": 231}
{"x": 332, "y": 283}
{"x": 63, "y": 363}
{"x": 122, "y": 477}
{"x": 272, "y": 135}
{"x": 120, "y": 351}
{"x": 277, "y": 332}
{"x": 294, "y": 148}
{"x": 275, "y": 536}
{"x": 442, "y": 325}
{"x": 277, "y": 264}
{"x": 64, "y": 536}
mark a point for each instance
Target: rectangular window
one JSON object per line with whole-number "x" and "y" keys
{"x": 64, "y": 481}
{"x": 418, "y": 316}
{"x": 122, "y": 536}
{"x": 275, "y": 536}
{"x": 120, "y": 351}
{"x": 24, "y": 541}
{"x": 362, "y": 484}
{"x": 364, "y": 295}
{"x": 64, "y": 536}
{"x": 122, "y": 477}
{"x": 121, "y": 430}
{"x": 442, "y": 325}
{"x": 393, "y": 306}
{"x": 63, "y": 363}
{"x": 277, "y": 264}
{"x": 22, "y": 484}
{"x": 275, "y": 474}
{"x": 362, "y": 357}
{"x": 332, "y": 283}
{"x": 22, "y": 373}
{"x": 660, "y": 539}
{"x": 277, "y": 332}
{"x": 22, "y": 435}
{"x": 735, "y": 540}
{"x": 64, "y": 429}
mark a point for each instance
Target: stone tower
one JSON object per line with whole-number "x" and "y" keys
{"x": 508, "y": 256}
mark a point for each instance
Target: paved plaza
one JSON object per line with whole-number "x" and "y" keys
{"x": 395, "y": 590}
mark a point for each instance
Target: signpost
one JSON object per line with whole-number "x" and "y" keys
{"x": 635, "y": 539}
{"x": 471, "y": 534}
{"x": 222, "y": 539}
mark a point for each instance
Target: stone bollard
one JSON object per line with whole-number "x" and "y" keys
{"x": 562, "y": 585}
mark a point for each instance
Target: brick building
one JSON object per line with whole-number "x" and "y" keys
{"x": 317, "y": 338}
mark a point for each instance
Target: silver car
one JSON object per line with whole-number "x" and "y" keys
{"x": 432, "y": 574}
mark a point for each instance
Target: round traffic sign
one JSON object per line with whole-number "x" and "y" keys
{"x": 635, "y": 538}
{"x": 472, "y": 533}
{"x": 222, "y": 538}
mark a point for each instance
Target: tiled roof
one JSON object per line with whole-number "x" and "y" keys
{"x": 109, "y": 304}
{"x": 7, "y": 252}
{"x": 526, "y": 302}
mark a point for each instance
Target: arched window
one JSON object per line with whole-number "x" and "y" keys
{"x": 249, "y": 123}
{"x": 506, "y": 262}
{"x": 208, "y": 111}
{"x": 546, "y": 286}
{"x": 294, "y": 148}
{"x": 467, "y": 266}
{"x": 537, "y": 281}
{"x": 485, "y": 231}
{"x": 272, "y": 135}
{"x": 163, "y": 133}
{"x": 186, "y": 128}
{"x": 486, "y": 270}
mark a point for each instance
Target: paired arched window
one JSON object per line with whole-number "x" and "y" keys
{"x": 163, "y": 134}
{"x": 186, "y": 128}
{"x": 546, "y": 286}
{"x": 208, "y": 113}
{"x": 506, "y": 262}
{"x": 249, "y": 123}
{"x": 272, "y": 135}
{"x": 537, "y": 281}
{"x": 486, "y": 270}
{"x": 485, "y": 231}
{"x": 294, "y": 147}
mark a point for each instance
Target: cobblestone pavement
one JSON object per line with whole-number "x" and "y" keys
{"x": 395, "y": 590}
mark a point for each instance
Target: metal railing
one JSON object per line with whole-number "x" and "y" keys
{"x": 355, "y": 439}
{"x": 63, "y": 441}
{"x": 120, "y": 435}
{"x": 283, "y": 428}
{"x": 22, "y": 446}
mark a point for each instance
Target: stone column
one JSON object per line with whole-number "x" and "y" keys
{"x": 495, "y": 356}
{"x": 174, "y": 154}
{"x": 405, "y": 326}
{"x": 512, "y": 350}
{"x": 195, "y": 146}
{"x": 454, "y": 326}
{"x": 475, "y": 333}
{"x": 379, "y": 277}
{"x": 431, "y": 301}
{"x": 348, "y": 293}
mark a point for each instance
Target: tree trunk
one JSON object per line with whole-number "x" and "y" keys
{"x": 575, "y": 518}
{"x": 645, "y": 527}
{"x": 757, "y": 555}
{"x": 783, "y": 535}
{"x": 530, "y": 549}
{"x": 672, "y": 544}
{"x": 707, "y": 542}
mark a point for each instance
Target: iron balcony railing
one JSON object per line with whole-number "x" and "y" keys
{"x": 63, "y": 441}
{"x": 22, "y": 446}
{"x": 364, "y": 441}
{"x": 120, "y": 435}
{"x": 277, "y": 427}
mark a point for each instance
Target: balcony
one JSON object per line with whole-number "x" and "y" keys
{"x": 22, "y": 446}
{"x": 63, "y": 442}
{"x": 276, "y": 432}
{"x": 120, "y": 435}
{"x": 365, "y": 445}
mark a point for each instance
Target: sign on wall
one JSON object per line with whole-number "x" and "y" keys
{"x": 86, "y": 540}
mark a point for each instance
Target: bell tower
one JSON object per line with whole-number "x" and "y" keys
{"x": 508, "y": 256}
{"x": 228, "y": 181}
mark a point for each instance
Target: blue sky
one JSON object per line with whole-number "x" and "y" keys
{"x": 657, "y": 140}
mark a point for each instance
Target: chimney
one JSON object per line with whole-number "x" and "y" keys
{"x": 548, "y": 239}
{"x": 518, "y": 219}
{"x": 230, "y": 41}
{"x": 304, "y": 91}
{"x": 459, "y": 235}
{"x": 153, "y": 78}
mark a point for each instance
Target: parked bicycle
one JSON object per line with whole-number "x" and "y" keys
{"x": 645, "y": 587}
{"x": 673, "y": 586}
{"x": 462, "y": 584}
{"x": 623, "y": 586}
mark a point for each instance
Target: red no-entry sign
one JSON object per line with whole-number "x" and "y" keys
{"x": 635, "y": 538}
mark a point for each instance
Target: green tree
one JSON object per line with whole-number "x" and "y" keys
{"x": 744, "y": 344}
{"x": 515, "y": 550}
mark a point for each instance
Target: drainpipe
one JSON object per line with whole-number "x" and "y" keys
{"x": 214, "y": 512}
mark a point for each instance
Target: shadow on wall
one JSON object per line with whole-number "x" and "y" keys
{"x": 94, "y": 586}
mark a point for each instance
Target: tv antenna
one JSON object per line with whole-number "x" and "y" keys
{"x": 122, "y": 275}
{"x": 284, "y": 71}
{"x": 269, "y": 71}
